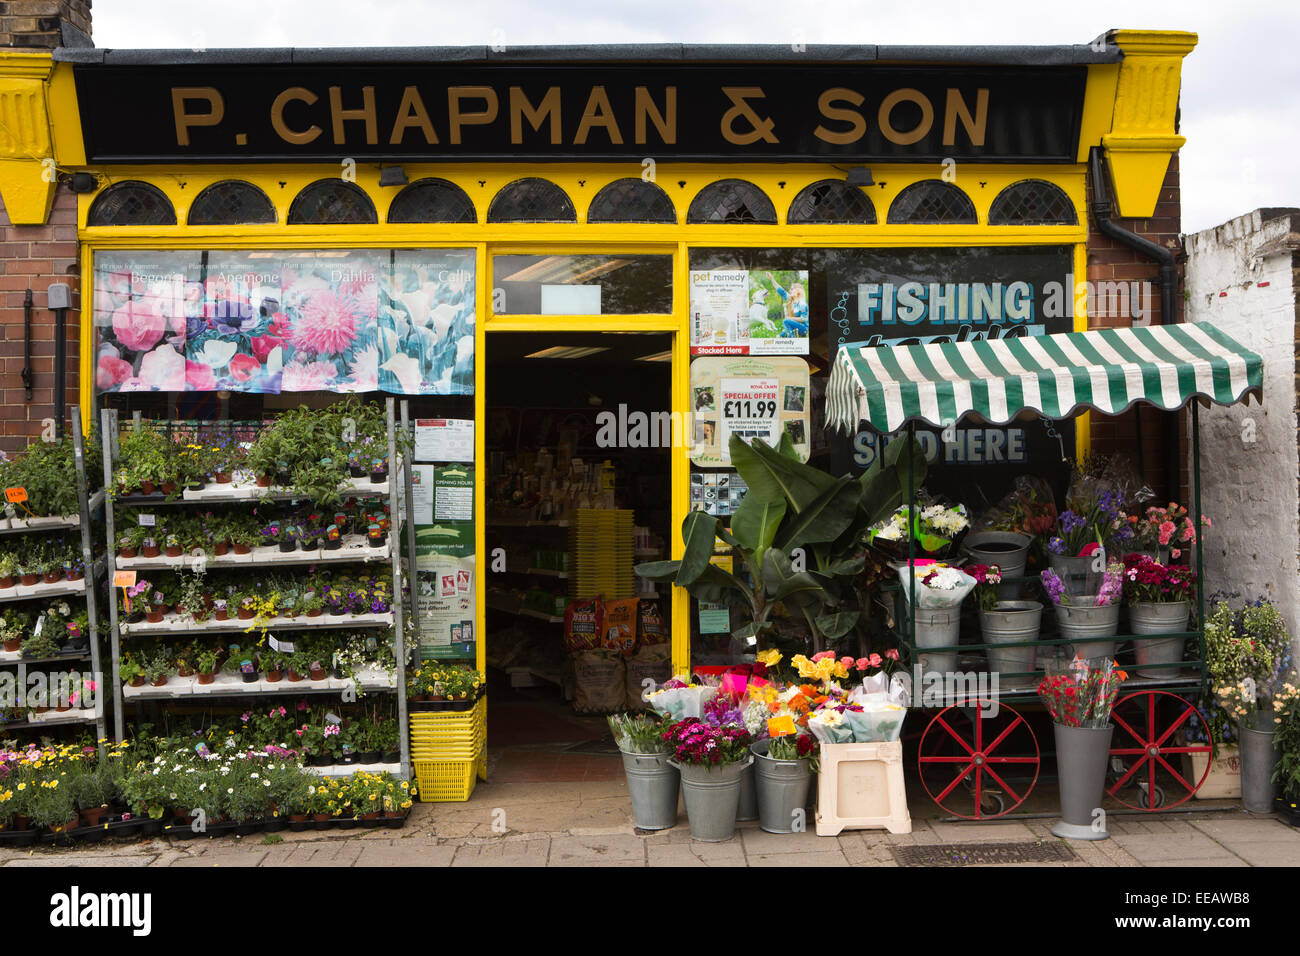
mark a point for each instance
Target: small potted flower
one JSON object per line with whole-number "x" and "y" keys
{"x": 375, "y": 535}
{"x": 173, "y": 544}
{"x": 220, "y": 609}
{"x": 149, "y": 547}
{"x": 157, "y": 607}
{"x": 317, "y": 671}
{"x": 206, "y": 661}
{"x": 157, "y": 669}
{"x": 378, "y": 471}
{"x": 8, "y": 570}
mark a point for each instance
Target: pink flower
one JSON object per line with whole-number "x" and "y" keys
{"x": 280, "y": 324}
{"x": 111, "y": 371}
{"x": 263, "y": 345}
{"x": 199, "y": 377}
{"x": 163, "y": 369}
{"x": 823, "y": 655}
{"x": 1175, "y": 552}
{"x": 138, "y": 328}
{"x": 243, "y": 367}
{"x": 846, "y": 663}
{"x": 327, "y": 322}
{"x": 307, "y": 376}
{"x": 892, "y": 653}
{"x": 861, "y": 664}
{"x": 875, "y": 661}
{"x": 1166, "y": 532}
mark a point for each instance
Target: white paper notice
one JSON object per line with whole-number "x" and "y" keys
{"x": 444, "y": 439}
{"x": 422, "y": 493}
{"x": 750, "y": 409}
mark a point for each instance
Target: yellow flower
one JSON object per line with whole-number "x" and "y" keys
{"x": 770, "y": 657}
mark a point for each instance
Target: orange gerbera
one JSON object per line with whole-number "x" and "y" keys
{"x": 798, "y": 704}
{"x": 808, "y": 690}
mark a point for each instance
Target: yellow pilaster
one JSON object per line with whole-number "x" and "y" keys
{"x": 27, "y": 168}
{"x": 1142, "y": 135}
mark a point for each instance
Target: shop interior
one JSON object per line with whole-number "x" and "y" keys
{"x": 577, "y": 493}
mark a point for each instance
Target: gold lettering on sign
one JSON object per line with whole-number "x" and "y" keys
{"x": 184, "y": 119}
{"x": 665, "y": 122}
{"x": 917, "y": 133}
{"x": 826, "y": 105}
{"x": 522, "y": 109}
{"x": 411, "y": 112}
{"x": 955, "y": 107}
{"x": 456, "y": 117}
{"x": 759, "y": 127}
{"x": 366, "y": 113}
{"x": 297, "y": 137}
{"x": 598, "y": 113}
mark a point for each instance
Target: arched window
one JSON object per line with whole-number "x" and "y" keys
{"x": 732, "y": 200}
{"x": 332, "y": 202}
{"x": 531, "y": 200}
{"x": 932, "y": 201}
{"x": 432, "y": 200}
{"x": 1033, "y": 202}
{"x": 131, "y": 204}
{"x": 631, "y": 200}
{"x": 231, "y": 202}
{"x": 831, "y": 200}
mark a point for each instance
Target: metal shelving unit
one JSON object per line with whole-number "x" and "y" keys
{"x": 86, "y": 588}
{"x": 397, "y": 491}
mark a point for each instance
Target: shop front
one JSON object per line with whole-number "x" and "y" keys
{"x": 583, "y": 270}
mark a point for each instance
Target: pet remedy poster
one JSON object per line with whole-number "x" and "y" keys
{"x": 399, "y": 321}
{"x": 741, "y": 312}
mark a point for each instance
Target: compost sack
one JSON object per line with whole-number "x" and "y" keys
{"x": 599, "y": 682}
{"x": 652, "y": 663}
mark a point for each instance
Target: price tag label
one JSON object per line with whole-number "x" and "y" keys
{"x": 123, "y": 579}
{"x": 15, "y": 496}
{"x": 147, "y": 521}
{"x": 782, "y": 726}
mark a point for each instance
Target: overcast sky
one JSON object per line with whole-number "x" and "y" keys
{"x": 1241, "y": 85}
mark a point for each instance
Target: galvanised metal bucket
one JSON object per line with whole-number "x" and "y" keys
{"x": 748, "y": 808}
{"x": 938, "y": 627}
{"x": 782, "y": 787}
{"x": 1082, "y": 756}
{"x": 1011, "y": 622}
{"x": 1007, "y": 549}
{"x": 712, "y": 797}
{"x": 652, "y": 784}
{"x": 1154, "y": 618}
{"x": 1259, "y": 758}
{"x": 1077, "y": 622}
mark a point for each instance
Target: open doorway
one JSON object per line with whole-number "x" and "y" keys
{"x": 578, "y": 490}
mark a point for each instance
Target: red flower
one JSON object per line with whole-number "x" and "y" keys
{"x": 243, "y": 367}
{"x": 264, "y": 345}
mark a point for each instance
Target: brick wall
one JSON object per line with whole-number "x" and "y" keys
{"x": 1109, "y": 261}
{"x": 33, "y": 257}
{"x": 38, "y": 24}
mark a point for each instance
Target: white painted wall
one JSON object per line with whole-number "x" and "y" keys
{"x": 1250, "y": 487}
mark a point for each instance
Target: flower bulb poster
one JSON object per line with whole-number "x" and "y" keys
{"x": 398, "y": 321}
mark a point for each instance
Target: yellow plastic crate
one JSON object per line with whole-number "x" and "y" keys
{"x": 439, "y": 737}
{"x": 445, "y": 781}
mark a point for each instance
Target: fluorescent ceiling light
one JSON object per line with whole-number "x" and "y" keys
{"x": 665, "y": 356}
{"x": 568, "y": 352}
{"x": 565, "y": 269}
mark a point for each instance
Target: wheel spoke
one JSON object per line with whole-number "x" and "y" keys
{"x": 1175, "y": 725}
{"x": 944, "y": 724}
{"x": 1124, "y": 779}
{"x": 1185, "y": 750}
{"x": 979, "y": 788}
{"x": 943, "y": 759}
{"x": 1177, "y": 776}
{"x": 1011, "y": 760}
{"x": 1127, "y": 751}
{"x": 1005, "y": 786}
{"x": 1123, "y": 723}
{"x": 1003, "y": 736}
{"x": 953, "y": 786}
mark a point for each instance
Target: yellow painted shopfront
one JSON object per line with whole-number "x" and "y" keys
{"x": 540, "y": 176}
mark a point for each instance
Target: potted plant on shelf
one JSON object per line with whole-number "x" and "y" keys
{"x": 39, "y": 646}
{"x": 157, "y": 669}
{"x": 206, "y": 661}
{"x": 132, "y": 671}
{"x": 8, "y": 570}
{"x": 28, "y": 573}
{"x": 275, "y": 664}
{"x": 652, "y": 782}
{"x": 1159, "y": 602}
{"x": 1079, "y": 698}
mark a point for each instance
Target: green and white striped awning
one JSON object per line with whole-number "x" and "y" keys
{"x": 1055, "y": 375}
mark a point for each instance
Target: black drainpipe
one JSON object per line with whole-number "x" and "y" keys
{"x": 1168, "y": 283}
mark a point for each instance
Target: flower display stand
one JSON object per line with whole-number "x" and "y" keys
{"x": 861, "y": 788}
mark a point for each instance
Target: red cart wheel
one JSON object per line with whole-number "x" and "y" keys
{"x": 988, "y": 747}
{"x": 1146, "y": 722}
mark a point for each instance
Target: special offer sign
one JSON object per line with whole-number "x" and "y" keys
{"x": 749, "y": 409}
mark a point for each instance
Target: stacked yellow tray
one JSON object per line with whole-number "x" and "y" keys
{"x": 601, "y": 542}
{"x": 449, "y": 751}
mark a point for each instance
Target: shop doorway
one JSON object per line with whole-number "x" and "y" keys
{"x": 578, "y": 489}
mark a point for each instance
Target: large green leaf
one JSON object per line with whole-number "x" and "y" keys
{"x": 755, "y": 524}
{"x": 716, "y": 586}
{"x": 823, "y": 519}
{"x": 661, "y": 571}
{"x": 698, "y": 533}
{"x": 838, "y": 624}
{"x": 783, "y": 583}
{"x": 771, "y": 475}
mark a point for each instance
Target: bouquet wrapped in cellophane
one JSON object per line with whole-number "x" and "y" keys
{"x": 1082, "y": 693}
